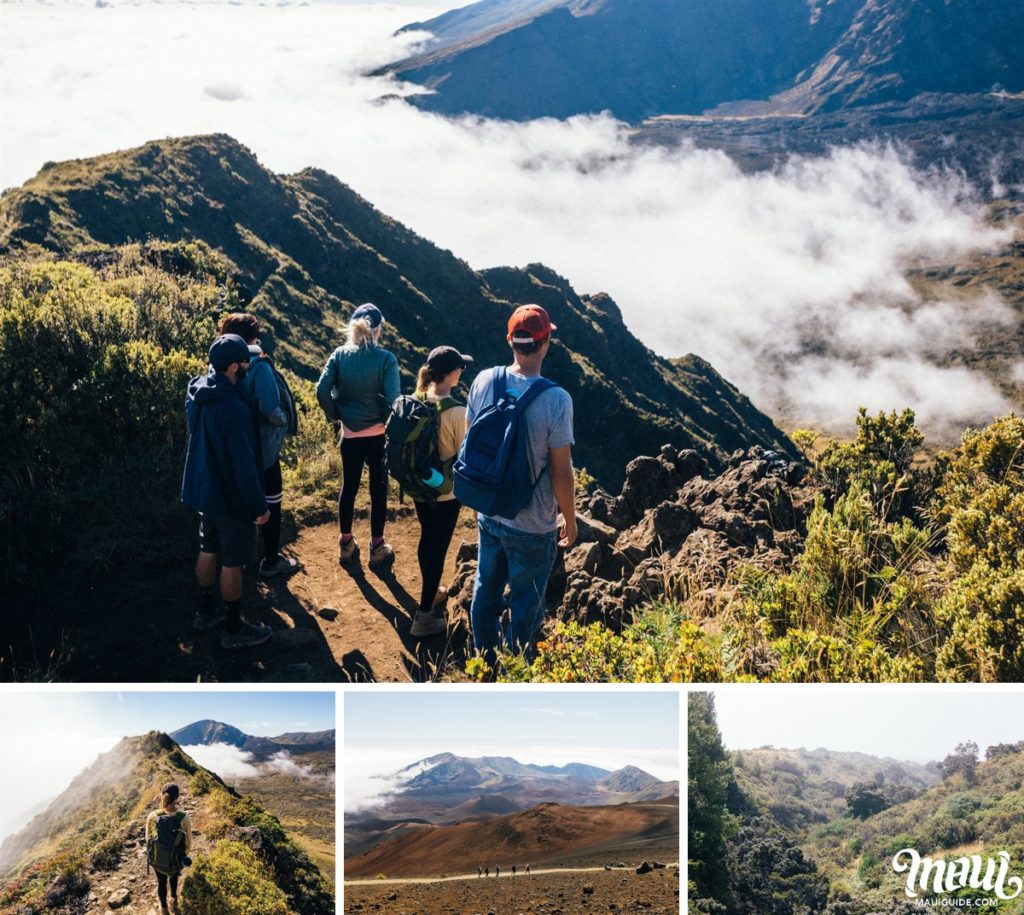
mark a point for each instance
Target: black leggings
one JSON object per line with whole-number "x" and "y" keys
{"x": 437, "y": 526}
{"x": 271, "y": 531}
{"x": 161, "y": 887}
{"x": 354, "y": 453}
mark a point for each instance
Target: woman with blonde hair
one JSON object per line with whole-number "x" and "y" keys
{"x": 356, "y": 388}
{"x": 168, "y": 843}
{"x": 438, "y": 517}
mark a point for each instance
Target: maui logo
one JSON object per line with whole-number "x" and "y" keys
{"x": 941, "y": 876}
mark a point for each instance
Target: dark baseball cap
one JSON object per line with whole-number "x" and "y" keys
{"x": 227, "y": 349}
{"x": 369, "y": 311}
{"x": 530, "y": 323}
{"x": 171, "y": 790}
{"x": 447, "y": 359}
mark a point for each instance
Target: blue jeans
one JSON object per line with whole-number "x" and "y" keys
{"x": 523, "y": 561}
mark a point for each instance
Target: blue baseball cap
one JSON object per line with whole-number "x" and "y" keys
{"x": 370, "y": 312}
{"x": 227, "y": 349}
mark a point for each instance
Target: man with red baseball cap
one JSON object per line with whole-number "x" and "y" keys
{"x": 520, "y": 551}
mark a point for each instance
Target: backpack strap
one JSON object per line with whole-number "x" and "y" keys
{"x": 533, "y": 392}
{"x": 499, "y": 383}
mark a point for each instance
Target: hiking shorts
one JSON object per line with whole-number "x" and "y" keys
{"x": 234, "y": 540}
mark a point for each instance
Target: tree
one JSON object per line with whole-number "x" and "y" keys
{"x": 1004, "y": 749}
{"x": 964, "y": 759}
{"x": 865, "y": 799}
{"x": 710, "y": 772}
{"x": 770, "y": 875}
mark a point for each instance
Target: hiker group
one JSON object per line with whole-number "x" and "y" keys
{"x": 506, "y": 453}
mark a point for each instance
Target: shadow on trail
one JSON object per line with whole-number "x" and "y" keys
{"x": 139, "y": 629}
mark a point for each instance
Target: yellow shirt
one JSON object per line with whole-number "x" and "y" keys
{"x": 450, "y": 433}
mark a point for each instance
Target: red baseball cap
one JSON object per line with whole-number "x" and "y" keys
{"x": 530, "y": 323}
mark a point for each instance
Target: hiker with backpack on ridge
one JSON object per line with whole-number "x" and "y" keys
{"x": 515, "y": 469}
{"x": 424, "y": 433}
{"x": 223, "y": 481}
{"x": 168, "y": 843}
{"x": 356, "y": 389}
{"x": 278, "y": 417}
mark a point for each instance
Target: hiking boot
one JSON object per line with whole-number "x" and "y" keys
{"x": 174, "y": 907}
{"x": 382, "y": 556}
{"x": 348, "y": 550}
{"x": 427, "y": 624}
{"x": 283, "y": 566}
{"x": 203, "y": 622}
{"x": 440, "y": 618}
{"x": 164, "y": 910}
{"x": 249, "y": 635}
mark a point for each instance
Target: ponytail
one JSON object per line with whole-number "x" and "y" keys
{"x": 362, "y": 333}
{"x": 167, "y": 800}
{"x": 426, "y": 377}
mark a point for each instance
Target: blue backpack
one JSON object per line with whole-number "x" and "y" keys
{"x": 492, "y": 472}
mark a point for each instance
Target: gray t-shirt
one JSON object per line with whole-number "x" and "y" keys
{"x": 548, "y": 425}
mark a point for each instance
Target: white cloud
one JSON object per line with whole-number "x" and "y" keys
{"x": 224, "y": 760}
{"x": 790, "y": 282}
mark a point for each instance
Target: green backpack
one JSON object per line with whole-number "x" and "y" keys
{"x": 411, "y": 446}
{"x": 167, "y": 844}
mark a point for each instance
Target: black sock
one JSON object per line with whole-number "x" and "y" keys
{"x": 272, "y": 533}
{"x": 234, "y": 620}
{"x": 207, "y": 602}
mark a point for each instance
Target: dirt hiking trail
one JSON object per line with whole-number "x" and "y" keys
{"x": 331, "y": 623}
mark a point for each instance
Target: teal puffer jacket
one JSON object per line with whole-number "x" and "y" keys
{"x": 358, "y": 385}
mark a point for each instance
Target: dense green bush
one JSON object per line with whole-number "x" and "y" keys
{"x": 94, "y": 367}
{"x": 981, "y": 502}
{"x": 231, "y": 880}
{"x": 879, "y": 460}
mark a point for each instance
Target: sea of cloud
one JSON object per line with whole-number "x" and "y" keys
{"x": 231, "y": 762}
{"x": 791, "y": 282}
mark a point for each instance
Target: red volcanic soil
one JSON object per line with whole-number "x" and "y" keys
{"x": 547, "y": 834}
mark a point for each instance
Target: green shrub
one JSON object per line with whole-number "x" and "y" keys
{"x": 855, "y": 606}
{"x": 94, "y": 371}
{"x": 981, "y": 502}
{"x": 231, "y": 880}
{"x": 660, "y": 646}
{"x": 879, "y": 460}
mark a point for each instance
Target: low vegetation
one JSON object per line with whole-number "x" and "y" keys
{"x": 909, "y": 571}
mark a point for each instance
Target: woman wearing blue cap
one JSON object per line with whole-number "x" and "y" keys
{"x": 357, "y": 387}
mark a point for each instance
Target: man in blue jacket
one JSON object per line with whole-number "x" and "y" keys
{"x": 223, "y": 482}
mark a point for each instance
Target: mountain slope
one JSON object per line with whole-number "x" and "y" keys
{"x": 804, "y": 787}
{"x": 437, "y": 783}
{"x": 304, "y": 248}
{"x": 978, "y": 814}
{"x": 546, "y": 834}
{"x": 208, "y": 732}
{"x": 520, "y": 61}
{"x": 88, "y": 845}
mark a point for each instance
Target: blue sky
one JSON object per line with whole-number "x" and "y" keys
{"x": 49, "y": 737}
{"x": 386, "y": 731}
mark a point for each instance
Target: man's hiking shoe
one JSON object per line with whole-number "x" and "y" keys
{"x": 283, "y": 566}
{"x": 348, "y": 550}
{"x": 249, "y": 635}
{"x": 428, "y": 624}
{"x": 203, "y": 622}
{"x": 382, "y": 556}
